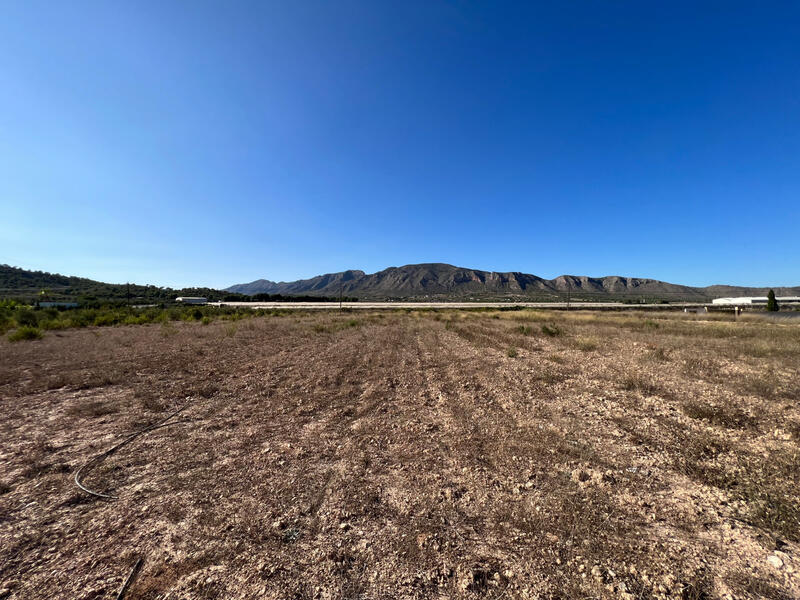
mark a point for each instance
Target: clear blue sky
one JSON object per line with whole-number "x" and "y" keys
{"x": 213, "y": 143}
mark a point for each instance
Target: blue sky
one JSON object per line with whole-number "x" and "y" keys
{"x": 212, "y": 143}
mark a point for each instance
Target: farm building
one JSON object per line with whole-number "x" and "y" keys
{"x": 755, "y": 300}
{"x": 191, "y": 300}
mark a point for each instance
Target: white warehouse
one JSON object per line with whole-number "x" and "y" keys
{"x": 191, "y": 300}
{"x": 755, "y": 300}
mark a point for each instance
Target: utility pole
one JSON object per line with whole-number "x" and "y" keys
{"x": 569, "y": 292}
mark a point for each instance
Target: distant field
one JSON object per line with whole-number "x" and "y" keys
{"x": 406, "y": 454}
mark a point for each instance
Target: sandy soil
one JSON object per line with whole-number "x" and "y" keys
{"x": 405, "y": 455}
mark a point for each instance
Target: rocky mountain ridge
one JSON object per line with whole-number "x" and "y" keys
{"x": 439, "y": 280}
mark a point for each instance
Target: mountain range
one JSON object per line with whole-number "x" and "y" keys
{"x": 439, "y": 281}
{"x": 430, "y": 281}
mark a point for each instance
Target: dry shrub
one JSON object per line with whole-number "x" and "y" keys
{"x": 768, "y": 487}
{"x": 657, "y": 355}
{"x": 637, "y": 382}
{"x": 587, "y": 344}
{"x": 92, "y": 408}
{"x": 39, "y": 459}
{"x": 697, "y": 454}
{"x": 149, "y": 399}
{"x": 755, "y": 587}
{"x": 698, "y": 367}
{"x": 762, "y": 385}
{"x": 728, "y": 417}
{"x": 204, "y": 390}
{"x": 552, "y": 330}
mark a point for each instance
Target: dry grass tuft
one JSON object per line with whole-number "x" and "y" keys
{"x": 639, "y": 382}
{"x": 587, "y": 344}
{"x": 92, "y": 408}
{"x": 728, "y": 417}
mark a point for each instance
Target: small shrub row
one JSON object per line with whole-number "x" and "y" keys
{"x": 26, "y": 323}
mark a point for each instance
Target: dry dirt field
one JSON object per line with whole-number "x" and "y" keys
{"x": 406, "y": 455}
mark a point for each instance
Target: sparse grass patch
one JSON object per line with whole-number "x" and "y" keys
{"x": 728, "y": 417}
{"x": 697, "y": 454}
{"x": 92, "y": 408}
{"x": 657, "y": 355}
{"x": 762, "y": 385}
{"x": 756, "y": 587}
{"x": 769, "y": 487}
{"x": 698, "y": 367}
{"x": 638, "y": 382}
{"x": 168, "y": 329}
{"x": 511, "y": 353}
{"x": 587, "y": 344}
{"x": 149, "y": 400}
{"x": 205, "y": 390}
{"x": 793, "y": 428}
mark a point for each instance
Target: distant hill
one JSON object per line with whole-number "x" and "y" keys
{"x": 439, "y": 281}
{"x": 27, "y": 285}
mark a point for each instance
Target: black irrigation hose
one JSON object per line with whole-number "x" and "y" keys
{"x": 129, "y": 580}
{"x": 100, "y": 457}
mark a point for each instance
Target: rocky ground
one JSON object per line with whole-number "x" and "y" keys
{"x": 405, "y": 455}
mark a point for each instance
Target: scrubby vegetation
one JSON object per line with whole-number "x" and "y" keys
{"x": 25, "y": 333}
{"x": 22, "y": 320}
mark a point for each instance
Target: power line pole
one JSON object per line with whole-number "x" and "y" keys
{"x": 569, "y": 291}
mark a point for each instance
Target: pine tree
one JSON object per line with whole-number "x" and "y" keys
{"x": 772, "y": 304}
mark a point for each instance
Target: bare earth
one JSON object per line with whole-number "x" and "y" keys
{"x": 406, "y": 455}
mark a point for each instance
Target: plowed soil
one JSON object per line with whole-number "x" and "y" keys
{"x": 405, "y": 455}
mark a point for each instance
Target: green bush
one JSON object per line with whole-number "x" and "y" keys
{"x": 51, "y": 324}
{"x": 25, "y": 333}
{"x": 103, "y": 320}
{"x": 26, "y": 318}
{"x": 6, "y": 323}
{"x": 551, "y": 330}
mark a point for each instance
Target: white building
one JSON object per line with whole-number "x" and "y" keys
{"x": 191, "y": 300}
{"x": 755, "y": 300}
